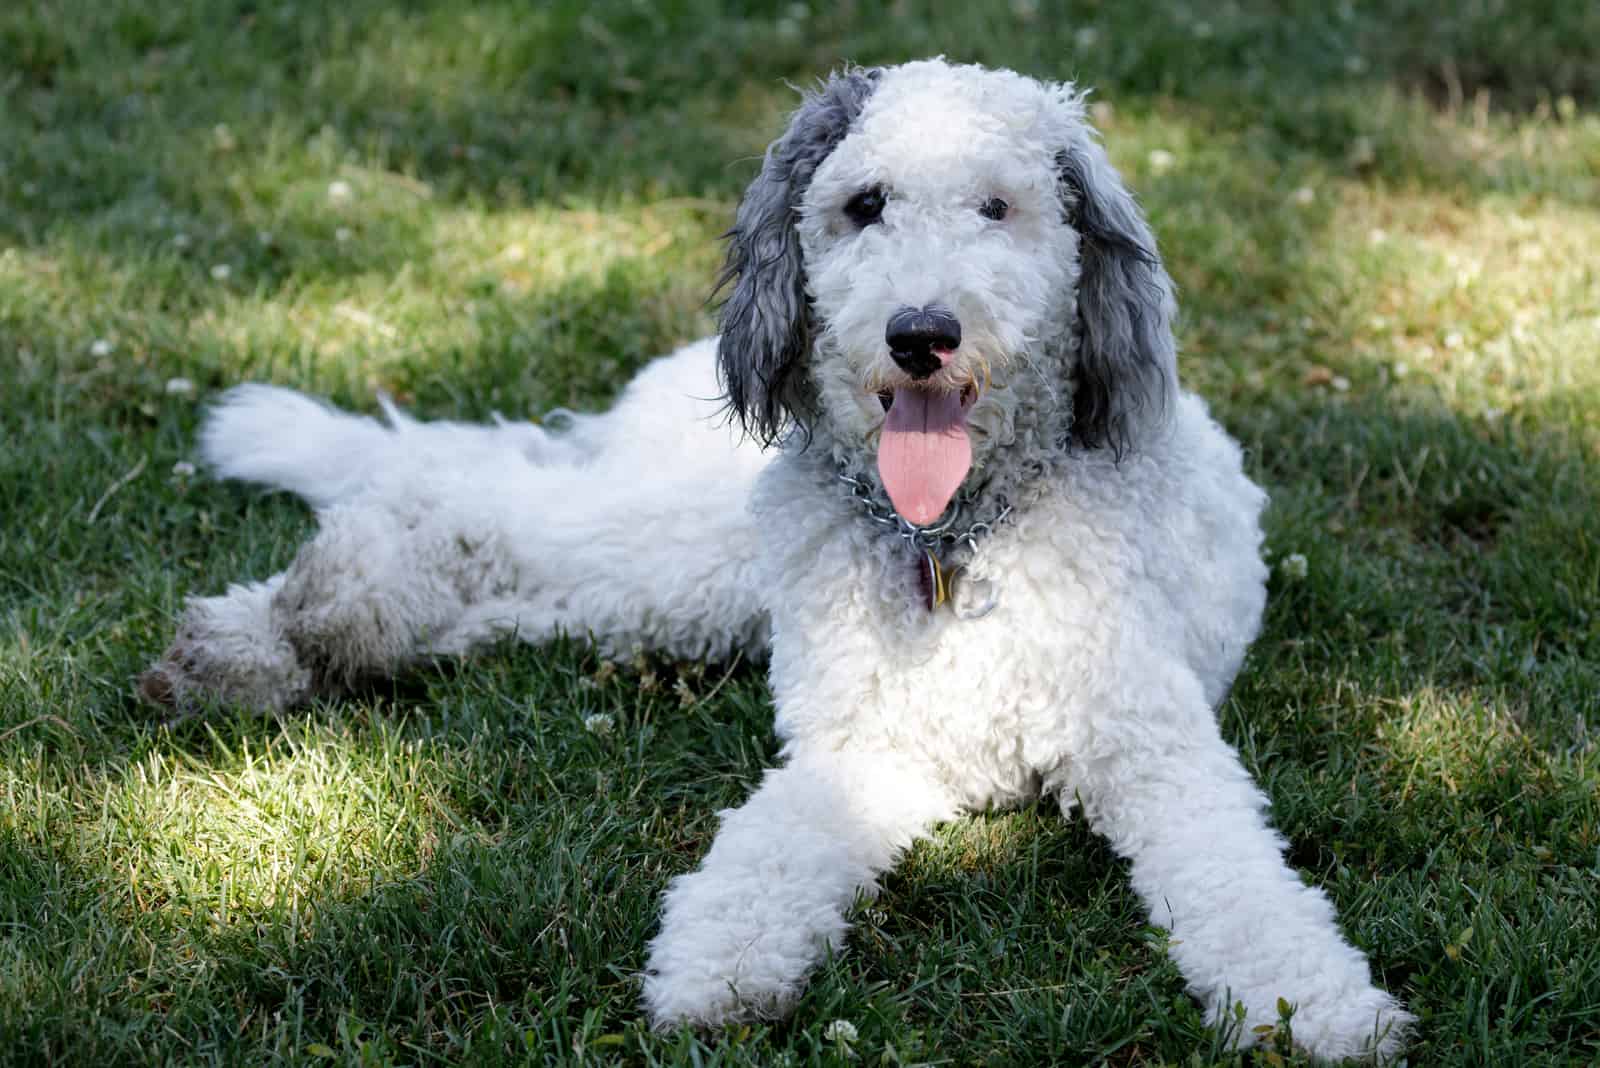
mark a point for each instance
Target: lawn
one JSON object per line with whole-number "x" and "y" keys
{"x": 1383, "y": 218}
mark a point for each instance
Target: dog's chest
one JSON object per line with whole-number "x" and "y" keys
{"x": 861, "y": 661}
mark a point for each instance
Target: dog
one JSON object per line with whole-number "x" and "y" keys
{"x": 988, "y": 545}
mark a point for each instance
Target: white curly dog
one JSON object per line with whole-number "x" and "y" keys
{"x": 990, "y": 545}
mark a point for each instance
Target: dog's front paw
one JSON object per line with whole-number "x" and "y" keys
{"x": 702, "y": 998}
{"x": 1362, "y": 1022}
{"x": 730, "y": 953}
{"x": 716, "y": 985}
{"x": 716, "y": 978}
{"x": 1369, "y": 1024}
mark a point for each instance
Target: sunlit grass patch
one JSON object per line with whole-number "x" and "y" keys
{"x": 985, "y": 844}
{"x": 1455, "y": 743}
{"x": 506, "y": 285}
{"x": 1492, "y": 304}
{"x": 249, "y": 835}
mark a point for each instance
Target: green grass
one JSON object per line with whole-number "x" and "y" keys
{"x": 1382, "y": 216}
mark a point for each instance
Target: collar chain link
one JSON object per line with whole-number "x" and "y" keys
{"x": 930, "y": 538}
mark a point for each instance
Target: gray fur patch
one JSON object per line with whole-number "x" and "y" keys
{"x": 766, "y": 320}
{"x": 1127, "y": 365}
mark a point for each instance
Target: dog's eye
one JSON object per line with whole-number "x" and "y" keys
{"x": 994, "y": 208}
{"x": 866, "y": 207}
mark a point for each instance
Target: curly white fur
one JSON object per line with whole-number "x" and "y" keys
{"x": 1129, "y": 580}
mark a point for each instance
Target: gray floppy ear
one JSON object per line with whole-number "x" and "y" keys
{"x": 1127, "y": 371}
{"x": 766, "y": 320}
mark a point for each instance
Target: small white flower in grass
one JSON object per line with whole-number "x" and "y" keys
{"x": 1161, "y": 160}
{"x": 339, "y": 191}
{"x": 221, "y": 272}
{"x": 601, "y": 723}
{"x": 1294, "y": 566}
{"x": 1454, "y": 340}
{"x": 101, "y": 347}
{"x": 1377, "y": 236}
{"x": 343, "y": 234}
{"x": 183, "y": 469}
{"x": 180, "y": 387}
{"x": 1340, "y": 384}
{"x": 841, "y": 1031}
{"x": 1401, "y": 369}
{"x": 1086, "y": 37}
{"x": 181, "y": 241}
{"x": 1304, "y": 195}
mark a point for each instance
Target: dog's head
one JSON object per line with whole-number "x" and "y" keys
{"x": 930, "y": 250}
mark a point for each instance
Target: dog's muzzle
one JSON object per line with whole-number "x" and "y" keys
{"x": 922, "y": 339}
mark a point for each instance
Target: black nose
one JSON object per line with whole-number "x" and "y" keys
{"x": 915, "y": 333}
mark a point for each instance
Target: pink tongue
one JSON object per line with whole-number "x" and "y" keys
{"x": 924, "y": 452}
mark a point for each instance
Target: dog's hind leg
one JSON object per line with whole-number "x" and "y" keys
{"x": 229, "y": 650}
{"x": 630, "y": 527}
{"x": 362, "y": 599}
{"x": 739, "y": 936}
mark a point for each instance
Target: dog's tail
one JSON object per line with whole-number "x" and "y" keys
{"x": 284, "y": 439}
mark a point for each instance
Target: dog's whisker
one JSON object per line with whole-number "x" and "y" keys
{"x": 1044, "y": 379}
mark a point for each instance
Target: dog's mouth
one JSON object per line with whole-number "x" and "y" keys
{"x": 924, "y": 451}
{"x": 969, "y": 395}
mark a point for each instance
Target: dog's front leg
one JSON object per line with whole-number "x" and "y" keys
{"x": 1175, "y": 800}
{"x": 739, "y": 936}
